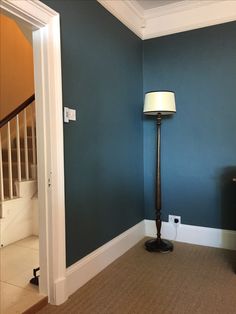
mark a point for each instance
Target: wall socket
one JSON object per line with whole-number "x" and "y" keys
{"x": 175, "y": 220}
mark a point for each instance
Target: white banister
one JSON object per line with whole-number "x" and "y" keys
{"x": 1, "y": 173}
{"x": 26, "y": 146}
{"x": 9, "y": 160}
{"x": 17, "y": 155}
{"x": 18, "y": 148}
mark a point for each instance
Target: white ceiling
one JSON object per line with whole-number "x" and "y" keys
{"x": 151, "y": 4}
{"x": 155, "y": 18}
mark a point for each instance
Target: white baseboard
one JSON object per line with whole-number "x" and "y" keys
{"x": 194, "y": 234}
{"x": 89, "y": 266}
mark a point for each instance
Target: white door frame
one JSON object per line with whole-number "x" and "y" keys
{"x": 48, "y": 93}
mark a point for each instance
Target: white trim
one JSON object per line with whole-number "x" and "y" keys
{"x": 191, "y": 18}
{"x": 220, "y": 238}
{"x": 176, "y": 7}
{"x": 88, "y": 267}
{"x": 36, "y": 13}
{"x": 126, "y": 14}
{"x": 81, "y": 272}
{"x": 172, "y": 18}
{"x": 48, "y": 90}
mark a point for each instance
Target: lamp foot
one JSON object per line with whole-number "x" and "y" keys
{"x": 162, "y": 246}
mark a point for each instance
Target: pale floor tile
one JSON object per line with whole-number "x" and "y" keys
{"x": 17, "y": 265}
{"x": 15, "y": 299}
{"x": 30, "y": 242}
{"x": 16, "y": 269}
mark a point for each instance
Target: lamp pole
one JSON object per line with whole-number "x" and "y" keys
{"x": 158, "y": 179}
{"x": 158, "y": 103}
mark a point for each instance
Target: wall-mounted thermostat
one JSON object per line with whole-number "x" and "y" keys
{"x": 69, "y": 114}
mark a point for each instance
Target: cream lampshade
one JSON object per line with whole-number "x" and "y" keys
{"x": 159, "y": 102}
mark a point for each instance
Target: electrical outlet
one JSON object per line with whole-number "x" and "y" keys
{"x": 175, "y": 220}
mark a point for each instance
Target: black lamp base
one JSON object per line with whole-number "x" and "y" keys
{"x": 162, "y": 246}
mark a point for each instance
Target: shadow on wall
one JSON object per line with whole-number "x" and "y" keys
{"x": 228, "y": 205}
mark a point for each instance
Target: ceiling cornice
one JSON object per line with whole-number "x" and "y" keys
{"x": 183, "y": 5}
{"x": 172, "y": 18}
{"x": 124, "y": 12}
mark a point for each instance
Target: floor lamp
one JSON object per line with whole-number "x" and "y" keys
{"x": 159, "y": 103}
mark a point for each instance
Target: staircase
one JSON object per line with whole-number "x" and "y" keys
{"x": 23, "y": 164}
{"x": 18, "y": 173}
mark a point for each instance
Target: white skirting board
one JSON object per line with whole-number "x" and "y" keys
{"x": 89, "y": 266}
{"x": 194, "y": 234}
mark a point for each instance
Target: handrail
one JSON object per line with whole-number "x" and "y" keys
{"x": 16, "y": 111}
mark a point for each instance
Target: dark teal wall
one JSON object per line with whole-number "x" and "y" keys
{"x": 102, "y": 79}
{"x": 199, "y": 141}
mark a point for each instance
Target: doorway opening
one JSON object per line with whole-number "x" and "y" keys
{"x": 19, "y": 230}
{"x": 45, "y": 28}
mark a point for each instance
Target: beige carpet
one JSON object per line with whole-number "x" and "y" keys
{"x": 192, "y": 279}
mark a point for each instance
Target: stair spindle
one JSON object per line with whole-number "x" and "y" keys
{"x": 1, "y": 173}
{"x": 33, "y": 139}
{"x": 18, "y": 148}
{"x": 9, "y": 160}
{"x": 26, "y": 146}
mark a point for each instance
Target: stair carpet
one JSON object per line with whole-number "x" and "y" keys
{"x": 14, "y": 163}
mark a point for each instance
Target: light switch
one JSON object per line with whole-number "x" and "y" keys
{"x": 69, "y": 114}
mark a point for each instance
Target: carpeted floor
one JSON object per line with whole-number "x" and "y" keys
{"x": 192, "y": 280}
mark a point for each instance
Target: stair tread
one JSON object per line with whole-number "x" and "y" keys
{"x": 7, "y": 198}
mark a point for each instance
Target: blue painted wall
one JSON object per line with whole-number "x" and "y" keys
{"x": 199, "y": 141}
{"x": 102, "y": 79}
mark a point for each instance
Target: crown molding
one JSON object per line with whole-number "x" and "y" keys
{"x": 172, "y": 18}
{"x": 183, "y": 5}
{"x": 23, "y": 10}
{"x": 126, "y": 13}
{"x": 192, "y": 17}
